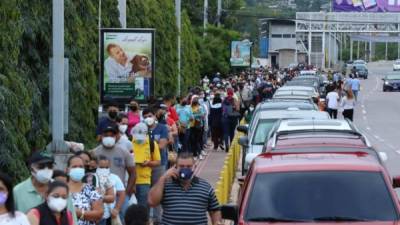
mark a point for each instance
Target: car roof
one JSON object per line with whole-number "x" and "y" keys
{"x": 293, "y": 114}
{"x": 297, "y": 88}
{"x": 314, "y": 124}
{"x": 286, "y": 104}
{"x": 284, "y": 162}
{"x": 315, "y": 139}
{"x": 308, "y": 72}
{"x": 292, "y": 92}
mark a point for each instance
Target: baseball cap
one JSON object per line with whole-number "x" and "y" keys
{"x": 111, "y": 128}
{"x": 139, "y": 132}
{"x": 41, "y": 156}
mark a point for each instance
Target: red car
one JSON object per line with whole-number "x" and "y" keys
{"x": 316, "y": 188}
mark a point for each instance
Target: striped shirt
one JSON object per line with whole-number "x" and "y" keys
{"x": 189, "y": 207}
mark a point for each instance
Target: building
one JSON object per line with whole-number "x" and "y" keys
{"x": 285, "y": 47}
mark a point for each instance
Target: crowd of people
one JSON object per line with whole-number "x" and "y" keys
{"x": 143, "y": 166}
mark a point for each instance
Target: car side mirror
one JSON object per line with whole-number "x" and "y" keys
{"x": 242, "y": 128}
{"x": 244, "y": 141}
{"x": 396, "y": 182}
{"x": 230, "y": 212}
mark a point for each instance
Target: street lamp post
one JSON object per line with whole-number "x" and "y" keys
{"x": 178, "y": 24}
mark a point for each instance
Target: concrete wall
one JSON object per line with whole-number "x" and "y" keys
{"x": 286, "y": 57}
{"x": 283, "y": 42}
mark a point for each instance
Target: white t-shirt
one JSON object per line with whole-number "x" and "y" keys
{"x": 19, "y": 219}
{"x": 348, "y": 103}
{"x": 333, "y": 99}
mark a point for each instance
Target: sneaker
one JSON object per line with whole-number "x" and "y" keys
{"x": 196, "y": 158}
{"x": 204, "y": 153}
{"x": 201, "y": 157}
{"x": 221, "y": 147}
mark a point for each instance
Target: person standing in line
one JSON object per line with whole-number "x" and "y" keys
{"x": 123, "y": 140}
{"x": 348, "y": 103}
{"x": 122, "y": 162}
{"x": 185, "y": 198}
{"x": 147, "y": 157}
{"x": 133, "y": 115}
{"x": 216, "y": 122}
{"x": 109, "y": 120}
{"x": 113, "y": 201}
{"x": 53, "y": 210}
{"x": 185, "y": 116}
{"x": 196, "y": 127}
{"x": 332, "y": 99}
{"x": 8, "y": 213}
{"x": 159, "y": 133}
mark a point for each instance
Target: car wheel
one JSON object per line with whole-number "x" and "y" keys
{"x": 384, "y": 90}
{"x": 243, "y": 161}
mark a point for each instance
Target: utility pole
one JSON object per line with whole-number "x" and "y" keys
{"x": 205, "y": 18}
{"x": 122, "y": 12}
{"x": 219, "y": 9}
{"x": 178, "y": 24}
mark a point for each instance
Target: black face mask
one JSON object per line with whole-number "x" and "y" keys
{"x": 112, "y": 114}
{"x": 90, "y": 170}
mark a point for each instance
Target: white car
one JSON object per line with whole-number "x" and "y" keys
{"x": 252, "y": 144}
{"x": 396, "y": 65}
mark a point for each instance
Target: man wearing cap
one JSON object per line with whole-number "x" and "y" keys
{"x": 30, "y": 192}
{"x": 147, "y": 156}
{"x": 121, "y": 160}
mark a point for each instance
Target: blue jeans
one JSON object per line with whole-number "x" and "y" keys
{"x": 142, "y": 191}
{"x": 124, "y": 208}
{"x": 355, "y": 93}
{"x": 156, "y": 173}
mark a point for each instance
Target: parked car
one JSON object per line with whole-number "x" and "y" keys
{"x": 319, "y": 136}
{"x": 391, "y": 82}
{"x": 252, "y": 143}
{"x": 311, "y": 90}
{"x": 317, "y": 189}
{"x": 396, "y": 65}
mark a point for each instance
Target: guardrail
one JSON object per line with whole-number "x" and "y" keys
{"x": 228, "y": 172}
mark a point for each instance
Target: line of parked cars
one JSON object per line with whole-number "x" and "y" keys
{"x": 300, "y": 166}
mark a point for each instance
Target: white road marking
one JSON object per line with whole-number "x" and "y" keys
{"x": 362, "y": 106}
{"x": 364, "y": 118}
{"x": 364, "y": 112}
{"x": 398, "y": 151}
{"x": 368, "y": 128}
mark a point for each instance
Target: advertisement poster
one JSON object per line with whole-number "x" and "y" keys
{"x": 366, "y": 5}
{"x": 127, "y": 64}
{"x": 240, "y": 54}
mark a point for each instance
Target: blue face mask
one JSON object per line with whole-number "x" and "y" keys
{"x": 76, "y": 174}
{"x": 185, "y": 174}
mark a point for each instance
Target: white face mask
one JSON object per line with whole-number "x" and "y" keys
{"x": 122, "y": 128}
{"x": 149, "y": 121}
{"x": 103, "y": 171}
{"x": 43, "y": 175}
{"x": 56, "y": 204}
{"x": 108, "y": 142}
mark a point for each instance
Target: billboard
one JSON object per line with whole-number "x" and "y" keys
{"x": 366, "y": 5}
{"x": 240, "y": 53}
{"x": 127, "y": 64}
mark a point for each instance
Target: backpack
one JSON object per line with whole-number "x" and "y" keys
{"x": 151, "y": 141}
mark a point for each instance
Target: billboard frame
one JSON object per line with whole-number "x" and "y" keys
{"x": 251, "y": 54}
{"x": 126, "y": 100}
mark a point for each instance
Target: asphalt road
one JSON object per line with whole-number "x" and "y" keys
{"x": 377, "y": 114}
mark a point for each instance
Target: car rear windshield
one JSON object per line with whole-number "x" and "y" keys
{"x": 320, "y": 195}
{"x": 393, "y": 77}
{"x": 262, "y": 130}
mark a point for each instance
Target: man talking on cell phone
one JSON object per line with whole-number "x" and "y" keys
{"x": 179, "y": 189}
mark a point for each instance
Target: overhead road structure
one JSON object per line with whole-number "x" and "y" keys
{"x": 313, "y": 28}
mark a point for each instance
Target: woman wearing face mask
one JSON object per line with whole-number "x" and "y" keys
{"x": 53, "y": 210}
{"x": 133, "y": 115}
{"x": 87, "y": 201}
{"x": 8, "y": 214}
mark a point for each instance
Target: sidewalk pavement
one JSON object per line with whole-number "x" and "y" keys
{"x": 210, "y": 168}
